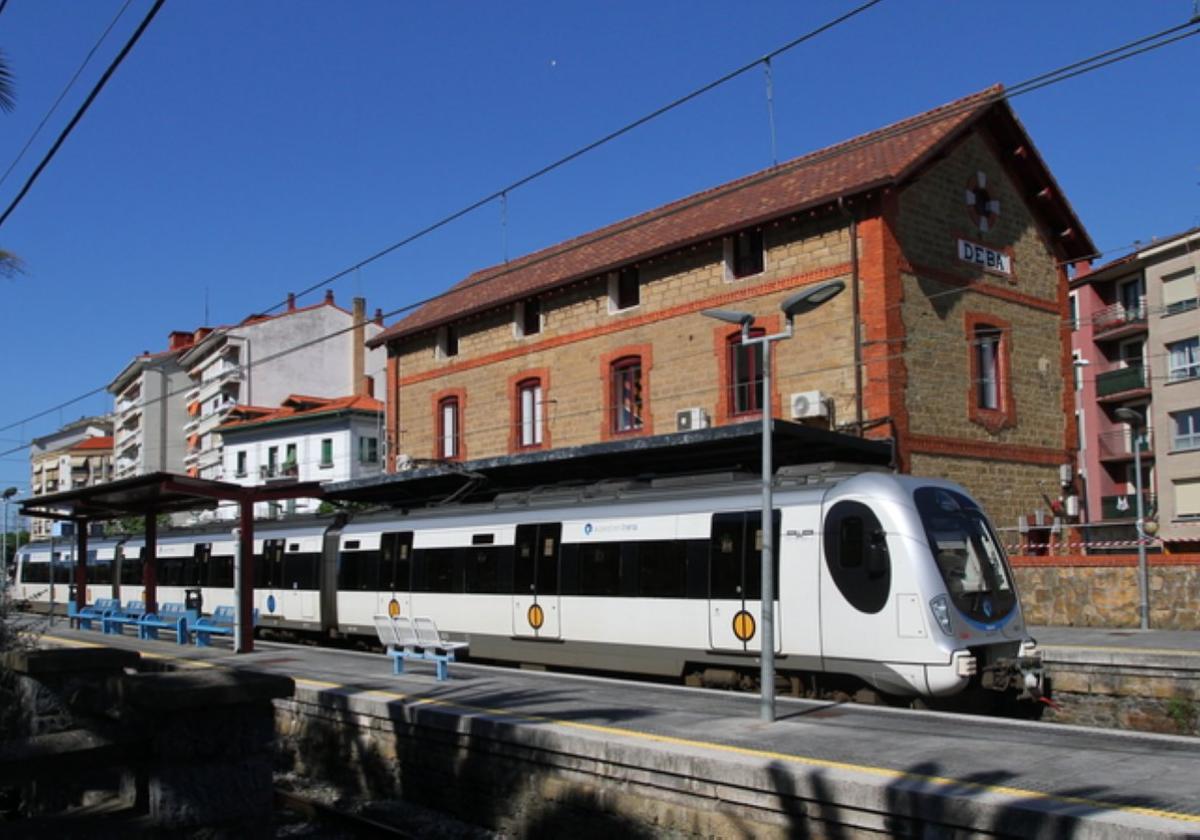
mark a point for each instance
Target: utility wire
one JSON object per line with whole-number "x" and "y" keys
{"x": 62, "y": 95}
{"x": 1043, "y": 80}
{"x": 116, "y": 62}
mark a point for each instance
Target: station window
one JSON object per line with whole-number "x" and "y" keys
{"x": 745, "y": 254}
{"x": 449, "y": 428}
{"x": 745, "y": 375}
{"x": 624, "y": 289}
{"x": 529, "y": 413}
{"x": 447, "y": 341}
{"x": 627, "y": 402}
{"x": 528, "y": 317}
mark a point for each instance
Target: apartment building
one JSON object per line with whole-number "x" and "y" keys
{"x": 148, "y": 411}
{"x": 317, "y": 350}
{"x": 1137, "y": 346}
{"x": 79, "y": 454}
{"x": 949, "y": 233}
{"x": 305, "y": 439}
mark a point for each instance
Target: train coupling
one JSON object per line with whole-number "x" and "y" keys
{"x": 1023, "y": 673}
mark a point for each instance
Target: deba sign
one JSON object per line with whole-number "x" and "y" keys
{"x": 984, "y": 256}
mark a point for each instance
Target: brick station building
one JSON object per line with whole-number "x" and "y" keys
{"x": 951, "y": 338}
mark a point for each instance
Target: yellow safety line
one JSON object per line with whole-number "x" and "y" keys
{"x": 807, "y": 761}
{"x": 148, "y": 654}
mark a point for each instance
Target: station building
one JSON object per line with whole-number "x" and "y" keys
{"x": 951, "y": 338}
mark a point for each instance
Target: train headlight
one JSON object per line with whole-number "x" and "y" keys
{"x": 940, "y": 607}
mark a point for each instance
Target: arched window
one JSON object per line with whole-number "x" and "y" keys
{"x": 449, "y": 426}
{"x": 529, "y": 418}
{"x": 627, "y": 399}
{"x": 745, "y": 375}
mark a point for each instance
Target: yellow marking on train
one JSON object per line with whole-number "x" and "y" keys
{"x": 537, "y": 617}
{"x": 743, "y": 626}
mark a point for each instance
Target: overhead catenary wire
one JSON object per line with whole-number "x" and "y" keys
{"x": 87, "y": 59}
{"x": 1105, "y": 58}
{"x": 87, "y": 103}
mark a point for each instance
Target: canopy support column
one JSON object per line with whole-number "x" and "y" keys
{"x": 81, "y": 549}
{"x": 150, "y": 563}
{"x": 245, "y": 606}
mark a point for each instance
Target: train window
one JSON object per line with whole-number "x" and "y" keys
{"x": 661, "y": 568}
{"x": 856, "y": 555}
{"x": 351, "y": 545}
{"x": 395, "y": 561}
{"x": 35, "y": 572}
{"x": 358, "y": 571}
{"x": 697, "y": 568}
{"x": 131, "y": 569}
{"x": 300, "y": 570}
{"x": 483, "y": 539}
{"x": 599, "y": 569}
{"x": 440, "y": 570}
{"x": 294, "y": 547}
{"x": 535, "y": 558}
{"x": 220, "y": 570}
{"x": 199, "y": 574}
{"x": 488, "y": 568}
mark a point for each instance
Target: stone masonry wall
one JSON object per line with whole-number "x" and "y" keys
{"x": 682, "y": 351}
{"x": 1107, "y": 595}
{"x": 1007, "y": 490}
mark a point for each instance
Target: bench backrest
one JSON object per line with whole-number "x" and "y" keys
{"x": 108, "y": 604}
{"x": 170, "y": 610}
{"x": 135, "y": 606}
{"x": 386, "y": 631}
{"x": 426, "y": 631}
{"x": 223, "y": 615}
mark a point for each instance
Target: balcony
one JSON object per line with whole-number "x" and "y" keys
{"x": 1118, "y": 321}
{"x": 1134, "y": 378}
{"x": 1117, "y": 445}
{"x": 1124, "y": 506}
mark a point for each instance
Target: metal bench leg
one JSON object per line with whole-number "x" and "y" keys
{"x": 443, "y": 670}
{"x": 397, "y": 664}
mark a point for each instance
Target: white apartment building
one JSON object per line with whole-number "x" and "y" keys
{"x": 306, "y": 439}
{"x": 264, "y": 359}
{"x": 148, "y": 414}
{"x": 77, "y": 455}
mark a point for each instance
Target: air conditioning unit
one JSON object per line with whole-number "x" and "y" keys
{"x": 809, "y": 404}
{"x": 689, "y": 419}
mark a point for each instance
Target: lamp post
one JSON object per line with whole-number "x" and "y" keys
{"x": 797, "y": 304}
{"x": 5, "y": 496}
{"x": 1137, "y": 428}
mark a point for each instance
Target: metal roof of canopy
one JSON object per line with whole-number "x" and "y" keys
{"x": 732, "y": 447}
{"x": 158, "y": 492}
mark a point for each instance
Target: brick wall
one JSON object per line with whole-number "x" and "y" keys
{"x": 683, "y": 351}
{"x": 1007, "y": 458}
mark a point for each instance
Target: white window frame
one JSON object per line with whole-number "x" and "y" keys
{"x": 1186, "y": 365}
{"x": 529, "y": 415}
{"x": 1189, "y": 440}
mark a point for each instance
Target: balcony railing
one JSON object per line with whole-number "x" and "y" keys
{"x": 1124, "y": 506}
{"x": 1117, "y": 381}
{"x": 1119, "y": 444}
{"x": 1119, "y": 315}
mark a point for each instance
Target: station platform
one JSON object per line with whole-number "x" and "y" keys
{"x": 700, "y": 760}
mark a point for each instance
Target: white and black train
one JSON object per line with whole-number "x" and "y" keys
{"x": 897, "y": 581}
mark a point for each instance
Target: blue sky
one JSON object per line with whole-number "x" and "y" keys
{"x": 248, "y": 149}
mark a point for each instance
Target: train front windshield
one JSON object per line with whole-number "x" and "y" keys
{"x": 968, "y": 554}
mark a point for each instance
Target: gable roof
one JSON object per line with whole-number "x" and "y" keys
{"x": 299, "y": 407}
{"x": 882, "y": 157}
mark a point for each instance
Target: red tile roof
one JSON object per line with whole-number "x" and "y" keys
{"x": 98, "y": 442}
{"x": 880, "y": 157}
{"x": 299, "y": 407}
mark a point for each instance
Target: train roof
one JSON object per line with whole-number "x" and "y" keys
{"x": 735, "y": 448}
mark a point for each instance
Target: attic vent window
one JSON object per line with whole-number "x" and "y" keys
{"x": 624, "y": 289}
{"x": 528, "y": 317}
{"x": 744, "y": 254}
{"x": 447, "y": 343}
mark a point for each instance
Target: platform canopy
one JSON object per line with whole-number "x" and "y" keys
{"x": 149, "y": 495}
{"x": 722, "y": 449}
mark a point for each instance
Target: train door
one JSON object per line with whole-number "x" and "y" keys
{"x": 268, "y": 573}
{"x": 536, "y": 581}
{"x": 395, "y": 574}
{"x": 735, "y": 582}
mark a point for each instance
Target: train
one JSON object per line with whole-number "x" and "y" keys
{"x": 893, "y": 583}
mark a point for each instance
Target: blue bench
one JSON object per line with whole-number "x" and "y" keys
{"x": 83, "y": 618}
{"x": 114, "y": 623}
{"x": 169, "y": 617}
{"x": 418, "y": 638}
{"x": 220, "y": 623}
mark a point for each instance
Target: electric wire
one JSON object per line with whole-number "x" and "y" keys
{"x": 1038, "y": 82}
{"x": 99, "y": 86}
{"x": 65, "y": 90}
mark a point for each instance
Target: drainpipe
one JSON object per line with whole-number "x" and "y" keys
{"x": 854, "y": 305}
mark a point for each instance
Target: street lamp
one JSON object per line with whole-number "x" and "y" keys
{"x": 5, "y": 496}
{"x": 1137, "y": 428}
{"x": 797, "y": 304}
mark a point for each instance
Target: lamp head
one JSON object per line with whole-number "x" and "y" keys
{"x": 1133, "y": 418}
{"x": 730, "y": 316}
{"x": 8, "y": 493}
{"x": 810, "y": 299}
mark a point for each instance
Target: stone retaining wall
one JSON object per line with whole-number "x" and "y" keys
{"x": 1102, "y": 590}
